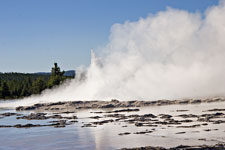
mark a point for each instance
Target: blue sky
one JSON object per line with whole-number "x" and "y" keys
{"x": 36, "y": 33}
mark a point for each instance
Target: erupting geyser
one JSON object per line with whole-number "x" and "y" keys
{"x": 172, "y": 54}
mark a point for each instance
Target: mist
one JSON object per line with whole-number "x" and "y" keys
{"x": 173, "y": 54}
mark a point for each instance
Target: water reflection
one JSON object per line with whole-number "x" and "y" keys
{"x": 106, "y": 136}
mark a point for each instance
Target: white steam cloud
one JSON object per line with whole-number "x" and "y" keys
{"x": 173, "y": 54}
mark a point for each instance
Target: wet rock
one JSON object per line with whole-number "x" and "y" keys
{"x": 8, "y": 114}
{"x": 196, "y": 101}
{"x": 34, "y": 116}
{"x": 60, "y": 124}
{"x": 126, "y": 110}
{"x": 95, "y": 117}
{"x": 218, "y": 121}
{"x": 26, "y": 125}
{"x": 54, "y": 108}
{"x": 97, "y": 112}
{"x": 56, "y": 103}
{"x": 67, "y": 112}
{"x": 107, "y": 106}
{"x": 202, "y": 139}
{"x": 138, "y": 124}
{"x": 102, "y": 122}
{"x": 165, "y": 116}
{"x": 22, "y": 108}
{"x": 149, "y": 115}
{"x": 183, "y": 102}
{"x": 5, "y": 126}
{"x": 88, "y": 125}
{"x": 143, "y": 132}
{"x": 216, "y": 109}
{"x": 115, "y": 101}
{"x": 203, "y": 119}
{"x": 180, "y": 132}
{"x": 125, "y": 133}
{"x": 145, "y": 148}
{"x": 191, "y": 126}
{"x": 182, "y": 147}
{"x": 181, "y": 110}
{"x": 208, "y": 117}
{"x": 38, "y": 105}
{"x": 69, "y": 118}
{"x": 188, "y": 116}
{"x": 186, "y": 120}
{"x": 76, "y": 102}
{"x": 205, "y": 124}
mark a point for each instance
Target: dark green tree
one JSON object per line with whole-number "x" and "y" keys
{"x": 57, "y": 76}
{"x": 25, "y": 90}
{"x": 38, "y": 86}
{"x": 5, "y": 90}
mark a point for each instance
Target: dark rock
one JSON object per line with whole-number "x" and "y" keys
{"x": 108, "y": 106}
{"x": 95, "y": 117}
{"x": 102, "y": 122}
{"x": 138, "y": 124}
{"x": 125, "y": 133}
{"x": 191, "y": 126}
{"x": 183, "y": 102}
{"x": 88, "y": 125}
{"x": 26, "y": 125}
{"x": 21, "y": 108}
{"x": 67, "y": 112}
{"x": 165, "y": 116}
{"x": 143, "y": 132}
{"x": 33, "y": 116}
{"x": 188, "y": 116}
{"x": 218, "y": 121}
{"x": 196, "y": 101}
{"x": 126, "y": 110}
{"x": 57, "y": 103}
{"x": 115, "y": 101}
{"x": 8, "y": 114}
{"x": 149, "y": 115}
{"x": 5, "y": 126}
{"x": 181, "y": 110}
{"x": 216, "y": 109}
{"x": 186, "y": 120}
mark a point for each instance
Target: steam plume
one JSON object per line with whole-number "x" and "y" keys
{"x": 173, "y": 54}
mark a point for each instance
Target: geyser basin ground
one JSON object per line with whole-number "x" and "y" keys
{"x": 186, "y": 122}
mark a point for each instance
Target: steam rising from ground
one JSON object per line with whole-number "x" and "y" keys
{"x": 173, "y": 54}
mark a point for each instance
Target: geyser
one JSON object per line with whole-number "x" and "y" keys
{"x": 172, "y": 54}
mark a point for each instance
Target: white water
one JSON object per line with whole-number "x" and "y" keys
{"x": 173, "y": 54}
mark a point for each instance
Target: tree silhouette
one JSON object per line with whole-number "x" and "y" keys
{"x": 5, "y": 90}
{"x": 56, "y": 76}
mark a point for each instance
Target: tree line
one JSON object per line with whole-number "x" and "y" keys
{"x": 19, "y": 85}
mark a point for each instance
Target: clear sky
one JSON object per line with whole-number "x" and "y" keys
{"x": 36, "y": 33}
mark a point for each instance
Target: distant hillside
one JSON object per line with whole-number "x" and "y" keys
{"x": 69, "y": 73}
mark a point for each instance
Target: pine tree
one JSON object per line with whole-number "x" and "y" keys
{"x": 38, "y": 86}
{"x": 5, "y": 90}
{"x": 24, "y": 91}
{"x": 56, "y": 77}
